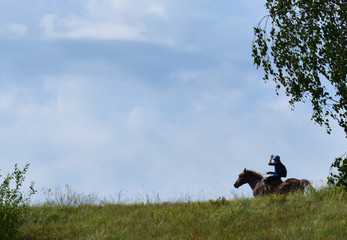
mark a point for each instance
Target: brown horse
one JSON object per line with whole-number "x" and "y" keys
{"x": 254, "y": 180}
{"x": 293, "y": 185}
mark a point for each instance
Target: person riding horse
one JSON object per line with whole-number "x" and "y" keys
{"x": 280, "y": 171}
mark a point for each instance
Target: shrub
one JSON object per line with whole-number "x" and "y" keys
{"x": 13, "y": 202}
{"x": 339, "y": 179}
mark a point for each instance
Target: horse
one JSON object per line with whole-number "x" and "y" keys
{"x": 292, "y": 185}
{"x": 254, "y": 179}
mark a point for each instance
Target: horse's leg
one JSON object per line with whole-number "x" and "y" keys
{"x": 283, "y": 188}
{"x": 259, "y": 189}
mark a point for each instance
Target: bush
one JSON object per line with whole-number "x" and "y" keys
{"x": 339, "y": 179}
{"x": 13, "y": 202}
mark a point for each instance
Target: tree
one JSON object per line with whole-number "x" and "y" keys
{"x": 339, "y": 179}
{"x": 302, "y": 46}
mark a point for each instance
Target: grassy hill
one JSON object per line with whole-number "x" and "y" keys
{"x": 320, "y": 214}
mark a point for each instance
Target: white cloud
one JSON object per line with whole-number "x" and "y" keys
{"x": 109, "y": 20}
{"x": 74, "y": 27}
{"x": 279, "y": 105}
{"x": 186, "y": 76}
{"x": 125, "y": 10}
{"x": 18, "y": 29}
{"x": 14, "y": 30}
{"x": 157, "y": 10}
{"x": 139, "y": 119}
{"x": 172, "y": 23}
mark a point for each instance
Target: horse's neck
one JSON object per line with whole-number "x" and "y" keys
{"x": 254, "y": 181}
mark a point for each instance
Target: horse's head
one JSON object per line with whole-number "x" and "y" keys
{"x": 247, "y": 176}
{"x": 243, "y": 178}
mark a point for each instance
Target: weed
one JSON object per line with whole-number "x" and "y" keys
{"x": 68, "y": 197}
{"x": 13, "y": 202}
{"x": 219, "y": 202}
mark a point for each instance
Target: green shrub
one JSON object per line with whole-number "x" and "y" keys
{"x": 339, "y": 179}
{"x": 13, "y": 202}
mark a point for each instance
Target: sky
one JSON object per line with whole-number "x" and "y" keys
{"x": 146, "y": 97}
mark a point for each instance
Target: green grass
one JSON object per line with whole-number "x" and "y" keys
{"x": 320, "y": 214}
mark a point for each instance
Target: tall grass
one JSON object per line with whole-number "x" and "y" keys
{"x": 319, "y": 214}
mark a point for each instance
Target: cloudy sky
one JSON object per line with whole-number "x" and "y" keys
{"x": 146, "y": 96}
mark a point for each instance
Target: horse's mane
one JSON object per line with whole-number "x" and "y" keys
{"x": 254, "y": 173}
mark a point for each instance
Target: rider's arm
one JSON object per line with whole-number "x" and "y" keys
{"x": 271, "y": 163}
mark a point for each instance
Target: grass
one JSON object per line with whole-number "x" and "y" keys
{"x": 319, "y": 214}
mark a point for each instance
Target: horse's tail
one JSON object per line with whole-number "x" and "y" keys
{"x": 304, "y": 183}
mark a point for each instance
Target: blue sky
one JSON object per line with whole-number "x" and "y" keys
{"x": 146, "y": 96}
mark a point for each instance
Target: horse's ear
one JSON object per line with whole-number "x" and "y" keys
{"x": 244, "y": 170}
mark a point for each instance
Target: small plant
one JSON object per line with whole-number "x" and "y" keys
{"x": 69, "y": 197}
{"x": 219, "y": 202}
{"x": 195, "y": 234}
{"x": 339, "y": 179}
{"x": 13, "y": 202}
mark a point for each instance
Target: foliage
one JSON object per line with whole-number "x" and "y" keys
{"x": 318, "y": 214}
{"x": 339, "y": 179}
{"x": 301, "y": 45}
{"x": 12, "y": 202}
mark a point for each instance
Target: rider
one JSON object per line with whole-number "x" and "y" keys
{"x": 280, "y": 170}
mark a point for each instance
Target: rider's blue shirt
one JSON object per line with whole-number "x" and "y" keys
{"x": 277, "y": 168}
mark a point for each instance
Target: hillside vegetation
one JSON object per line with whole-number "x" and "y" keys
{"x": 319, "y": 214}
